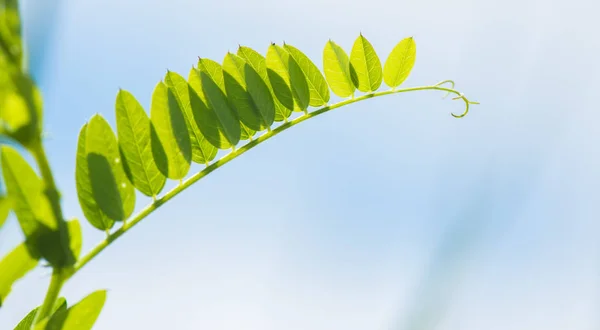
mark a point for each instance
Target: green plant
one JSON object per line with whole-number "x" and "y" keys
{"x": 216, "y": 107}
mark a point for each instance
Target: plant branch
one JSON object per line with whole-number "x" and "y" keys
{"x": 56, "y": 283}
{"x": 238, "y": 152}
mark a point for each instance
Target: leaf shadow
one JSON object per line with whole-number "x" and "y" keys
{"x": 104, "y": 187}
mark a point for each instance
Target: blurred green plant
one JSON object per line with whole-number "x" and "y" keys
{"x": 216, "y": 107}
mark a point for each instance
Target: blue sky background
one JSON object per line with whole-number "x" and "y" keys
{"x": 386, "y": 214}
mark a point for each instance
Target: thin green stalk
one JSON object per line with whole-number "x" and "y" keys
{"x": 53, "y": 195}
{"x": 56, "y": 283}
{"x": 238, "y": 152}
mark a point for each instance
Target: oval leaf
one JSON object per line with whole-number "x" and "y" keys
{"x": 287, "y": 79}
{"x": 366, "y": 65}
{"x": 400, "y": 62}
{"x": 24, "y": 188}
{"x": 133, "y": 130}
{"x": 213, "y": 88}
{"x": 111, "y": 188}
{"x": 337, "y": 70}
{"x": 248, "y": 93}
{"x": 80, "y": 316}
{"x": 202, "y": 151}
{"x": 90, "y": 208}
{"x": 5, "y": 206}
{"x": 14, "y": 266}
{"x": 170, "y": 139}
{"x": 257, "y": 62}
{"x": 319, "y": 91}
{"x": 75, "y": 239}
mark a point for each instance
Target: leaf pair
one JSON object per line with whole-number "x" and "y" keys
{"x": 362, "y": 70}
{"x": 80, "y": 316}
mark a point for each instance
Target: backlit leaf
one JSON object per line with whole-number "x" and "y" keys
{"x": 27, "y": 322}
{"x": 90, "y": 208}
{"x": 400, "y": 62}
{"x": 5, "y": 206}
{"x": 366, "y": 64}
{"x": 21, "y": 108}
{"x": 222, "y": 116}
{"x": 111, "y": 188}
{"x": 170, "y": 133}
{"x": 292, "y": 91}
{"x": 14, "y": 266}
{"x": 24, "y": 188}
{"x": 319, "y": 91}
{"x": 248, "y": 93}
{"x": 337, "y": 70}
{"x": 133, "y": 129}
{"x": 80, "y": 316}
{"x": 202, "y": 151}
{"x": 75, "y": 239}
{"x": 257, "y": 62}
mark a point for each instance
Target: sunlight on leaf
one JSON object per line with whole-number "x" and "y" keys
{"x": 337, "y": 70}
{"x": 14, "y": 266}
{"x": 133, "y": 130}
{"x": 400, "y": 62}
{"x": 366, "y": 64}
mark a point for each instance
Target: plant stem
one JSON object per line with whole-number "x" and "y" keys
{"x": 56, "y": 284}
{"x": 229, "y": 157}
{"x": 53, "y": 195}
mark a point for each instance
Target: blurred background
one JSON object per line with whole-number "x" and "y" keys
{"x": 386, "y": 214}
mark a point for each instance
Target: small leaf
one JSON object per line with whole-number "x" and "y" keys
{"x": 75, "y": 239}
{"x": 400, "y": 62}
{"x": 366, "y": 64}
{"x": 202, "y": 151}
{"x": 111, "y": 188}
{"x": 5, "y": 206}
{"x": 133, "y": 129}
{"x": 171, "y": 134}
{"x": 319, "y": 91}
{"x": 292, "y": 91}
{"x": 80, "y": 316}
{"x": 222, "y": 116}
{"x": 21, "y": 109}
{"x": 337, "y": 70}
{"x": 246, "y": 133}
{"x": 24, "y": 188}
{"x": 14, "y": 266}
{"x": 10, "y": 33}
{"x": 90, "y": 208}
{"x": 257, "y": 62}
{"x": 27, "y": 322}
{"x": 248, "y": 93}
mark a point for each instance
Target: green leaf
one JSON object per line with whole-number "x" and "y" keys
{"x": 319, "y": 91}
{"x": 75, "y": 239}
{"x": 133, "y": 129}
{"x": 11, "y": 48}
{"x": 111, "y": 188}
{"x": 287, "y": 79}
{"x": 248, "y": 93}
{"x": 20, "y": 108}
{"x": 202, "y": 151}
{"x": 366, "y": 64}
{"x": 25, "y": 189}
{"x": 27, "y": 322}
{"x": 246, "y": 133}
{"x": 400, "y": 62}
{"x": 90, "y": 208}
{"x": 337, "y": 70}
{"x": 257, "y": 62}
{"x": 5, "y": 206}
{"x": 221, "y": 115}
{"x": 80, "y": 316}
{"x": 170, "y": 133}
{"x": 14, "y": 266}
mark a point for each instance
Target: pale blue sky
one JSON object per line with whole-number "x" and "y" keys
{"x": 365, "y": 218}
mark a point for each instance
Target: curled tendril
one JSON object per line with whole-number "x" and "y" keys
{"x": 451, "y": 82}
{"x": 460, "y": 96}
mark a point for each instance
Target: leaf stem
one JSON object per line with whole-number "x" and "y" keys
{"x": 238, "y": 152}
{"x": 56, "y": 284}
